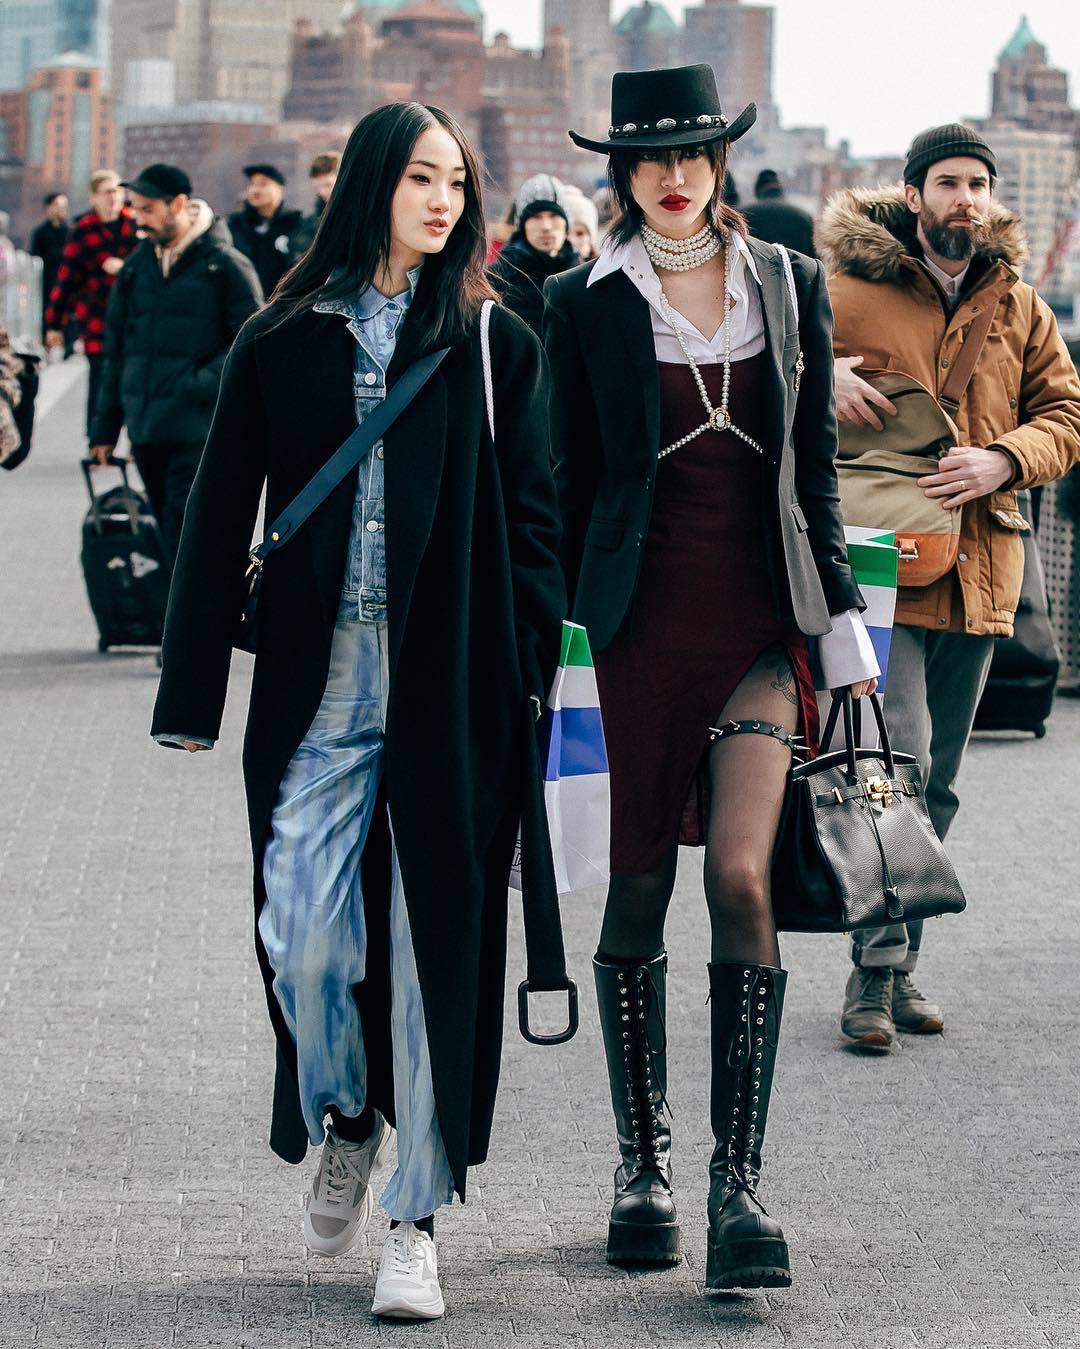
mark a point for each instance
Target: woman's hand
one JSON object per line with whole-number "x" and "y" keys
{"x": 863, "y": 688}
{"x": 193, "y": 747}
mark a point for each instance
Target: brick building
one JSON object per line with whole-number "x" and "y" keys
{"x": 60, "y": 126}
{"x": 512, "y": 104}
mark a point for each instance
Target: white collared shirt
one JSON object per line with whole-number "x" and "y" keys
{"x": 951, "y": 285}
{"x": 747, "y": 320}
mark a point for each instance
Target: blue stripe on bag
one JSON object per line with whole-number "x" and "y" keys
{"x": 882, "y": 641}
{"x": 573, "y": 743}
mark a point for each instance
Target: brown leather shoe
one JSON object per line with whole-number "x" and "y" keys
{"x": 913, "y": 1012}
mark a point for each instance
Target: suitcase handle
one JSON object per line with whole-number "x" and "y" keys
{"x": 114, "y": 461}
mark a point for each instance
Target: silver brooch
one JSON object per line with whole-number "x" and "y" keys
{"x": 666, "y": 124}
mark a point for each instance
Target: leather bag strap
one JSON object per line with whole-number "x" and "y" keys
{"x": 954, "y": 388}
{"x": 346, "y": 457}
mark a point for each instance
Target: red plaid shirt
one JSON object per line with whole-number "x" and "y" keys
{"x": 82, "y": 287}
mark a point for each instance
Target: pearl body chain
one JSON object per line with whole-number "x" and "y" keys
{"x": 697, "y": 246}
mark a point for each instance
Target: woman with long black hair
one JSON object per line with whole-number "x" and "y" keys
{"x": 406, "y": 636}
{"x": 702, "y": 544}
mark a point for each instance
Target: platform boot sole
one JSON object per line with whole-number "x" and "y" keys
{"x": 643, "y": 1244}
{"x": 755, "y": 1262}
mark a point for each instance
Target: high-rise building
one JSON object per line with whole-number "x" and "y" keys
{"x": 587, "y": 25}
{"x": 236, "y": 50}
{"x": 647, "y": 38}
{"x": 737, "y": 41}
{"x": 60, "y": 126}
{"x": 34, "y": 33}
{"x": 1027, "y": 89}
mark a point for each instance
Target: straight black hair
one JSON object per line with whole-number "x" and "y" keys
{"x": 351, "y": 247}
{"x": 622, "y": 165}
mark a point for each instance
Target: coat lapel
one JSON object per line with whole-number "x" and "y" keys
{"x": 774, "y": 305}
{"x": 623, "y": 312}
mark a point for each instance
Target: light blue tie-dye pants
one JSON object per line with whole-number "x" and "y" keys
{"x": 312, "y": 923}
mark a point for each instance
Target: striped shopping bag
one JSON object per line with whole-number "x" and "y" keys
{"x": 873, "y": 556}
{"x": 574, "y": 757}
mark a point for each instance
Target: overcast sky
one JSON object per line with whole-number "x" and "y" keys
{"x": 875, "y": 73}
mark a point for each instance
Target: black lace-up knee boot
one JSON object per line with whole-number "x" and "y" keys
{"x": 746, "y": 1247}
{"x": 644, "y": 1226}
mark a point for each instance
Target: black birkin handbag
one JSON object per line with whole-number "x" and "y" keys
{"x": 344, "y": 459}
{"x": 856, "y": 847}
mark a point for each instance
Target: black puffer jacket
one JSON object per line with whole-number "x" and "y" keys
{"x": 519, "y": 273}
{"x": 166, "y": 339}
{"x": 270, "y": 249}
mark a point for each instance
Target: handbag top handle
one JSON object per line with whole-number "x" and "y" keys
{"x": 843, "y": 701}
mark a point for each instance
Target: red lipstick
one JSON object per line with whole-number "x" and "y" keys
{"x": 673, "y": 202}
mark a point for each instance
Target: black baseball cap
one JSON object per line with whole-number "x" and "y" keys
{"x": 161, "y": 180}
{"x": 267, "y": 171}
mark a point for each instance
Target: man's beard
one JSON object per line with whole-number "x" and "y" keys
{"x": 957, "y": 245}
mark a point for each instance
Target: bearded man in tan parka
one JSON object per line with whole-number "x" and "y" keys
{"x": 911, "y": 269}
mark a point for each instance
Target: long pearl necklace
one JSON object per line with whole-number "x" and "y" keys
{"x": 719, "y": 418}
{"x": 680, "y": 255}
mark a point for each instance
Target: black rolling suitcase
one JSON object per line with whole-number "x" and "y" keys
{"x": 1019, "y": 693}
{"x": 127, "y": 578}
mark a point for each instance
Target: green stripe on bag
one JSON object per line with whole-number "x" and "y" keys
{"x": 873, "y": 565}
{"x": 575, "y": 646}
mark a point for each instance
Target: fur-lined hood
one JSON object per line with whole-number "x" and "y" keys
{"x": 867, "y": 231}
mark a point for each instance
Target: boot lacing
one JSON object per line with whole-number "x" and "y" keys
{"x": 748, "y": 1047}
{"x": 635, "y": 995}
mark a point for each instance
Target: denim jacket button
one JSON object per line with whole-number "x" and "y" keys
{"x": 370, "y": 378}
{"x": 373, "y": 526}
{"x": 380, "y": 453}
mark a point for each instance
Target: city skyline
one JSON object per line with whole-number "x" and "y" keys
{"x": 877, "y": 106}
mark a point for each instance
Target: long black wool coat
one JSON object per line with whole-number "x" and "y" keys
{"x": 475, "y": 598}
{"x": 606, "y": 429}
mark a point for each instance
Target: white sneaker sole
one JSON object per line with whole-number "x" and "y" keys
{"x": 400, "y": 1309}
{"x": 329, "y": 1247}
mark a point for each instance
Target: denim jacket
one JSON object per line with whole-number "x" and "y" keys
{"x": 374, "y": 321}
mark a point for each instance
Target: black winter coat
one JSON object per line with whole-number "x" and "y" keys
{"x": 605, "y": 407}
{"x": 775, "y": 220}
{"x": 475, "y": 600}
{"x": 166, "y": 339}
{"x": 47, "y": 242}
{"x": 520, "y": 272}
{"x": 272, "y": 251}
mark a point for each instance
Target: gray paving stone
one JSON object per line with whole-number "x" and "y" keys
{"x": 931, "y": 1198}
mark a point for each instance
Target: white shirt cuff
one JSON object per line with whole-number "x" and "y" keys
{"x": 847, "y": 653}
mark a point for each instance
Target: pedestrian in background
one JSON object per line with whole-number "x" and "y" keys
{"x": 409, "y": 637}
{"x": 538, "y": 249}
{"x": 93, "y": 256}
{"x": 694, "y": 439}
{"x": 321, "y": 175}
{"x": 771, "y": 217}
{"x": 264, "y": 227}
{"x": 47, "y": 242}
{"x": 912, "y": 270}
{"x": 584, "y": 218}
{"x": 183, "y": 296}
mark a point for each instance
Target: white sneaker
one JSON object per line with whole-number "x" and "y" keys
{"x": 408, "y": 1282}
{"x": 338, "y": 1205}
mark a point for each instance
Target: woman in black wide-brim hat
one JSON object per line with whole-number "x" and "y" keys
{"x": 692, "y": 405}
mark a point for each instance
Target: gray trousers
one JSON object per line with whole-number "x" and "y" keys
{"x": 935, "y": 681}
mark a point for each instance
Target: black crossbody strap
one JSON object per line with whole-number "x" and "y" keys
{"x": 348, "y": 455}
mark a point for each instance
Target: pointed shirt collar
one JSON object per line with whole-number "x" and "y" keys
{"x": 371, "y": 300}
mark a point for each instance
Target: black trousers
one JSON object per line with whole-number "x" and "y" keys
{"x": 97, "y": 365}
{"x": 167, "y": 472}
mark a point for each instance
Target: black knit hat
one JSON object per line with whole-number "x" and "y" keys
{"x": 945, "y": 142}
{"x": 536, "y": 207}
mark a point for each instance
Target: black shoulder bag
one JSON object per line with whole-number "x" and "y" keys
{"x": 856, "y": 847}
{"x": 341, "y": 462}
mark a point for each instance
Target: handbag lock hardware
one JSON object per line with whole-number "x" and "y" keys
{"x": 880, "y": 792}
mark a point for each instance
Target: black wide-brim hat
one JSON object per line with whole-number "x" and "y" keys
{"x": 666, "y": 109}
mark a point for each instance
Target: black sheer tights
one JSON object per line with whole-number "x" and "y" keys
{"x": 747, "y": 777}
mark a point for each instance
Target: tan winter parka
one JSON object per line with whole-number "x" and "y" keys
{"x": 1024, "y": 397}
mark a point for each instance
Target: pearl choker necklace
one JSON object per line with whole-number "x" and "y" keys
{"x": 680, "y": 255}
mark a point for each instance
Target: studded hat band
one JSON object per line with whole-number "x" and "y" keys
{"x": 705, "y": 121}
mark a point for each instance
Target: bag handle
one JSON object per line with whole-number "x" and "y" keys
{"x": 843, "y": 702}
{"x": 348, "y": 455}
{"x": 545, "y": 955}
{"x": 954, "y": 388}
